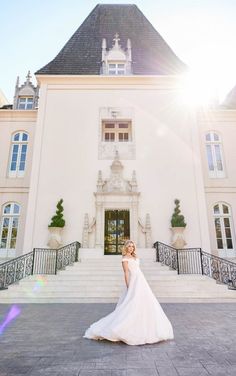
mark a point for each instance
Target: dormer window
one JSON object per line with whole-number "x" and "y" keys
{"x": 25, "y": 103}
{"x": 116, "y": 69}
{"x": 26, "y": 95}
{"x": 116, "y": 61}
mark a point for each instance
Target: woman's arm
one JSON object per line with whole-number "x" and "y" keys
{"x": 126, "y": 272}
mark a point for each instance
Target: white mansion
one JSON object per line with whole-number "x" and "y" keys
{"x": 106, "y": 131}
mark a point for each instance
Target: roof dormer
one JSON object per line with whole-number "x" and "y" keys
{"x": 26, "y": 95}
{"x": 116, "y": 61}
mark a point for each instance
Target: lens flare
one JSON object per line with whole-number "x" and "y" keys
{"x": 41, "y": 281}
{"x": 11, "y": 315}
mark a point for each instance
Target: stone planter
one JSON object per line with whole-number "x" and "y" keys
{"x": 178, "y": 240}
{"x": 55, "y": 240}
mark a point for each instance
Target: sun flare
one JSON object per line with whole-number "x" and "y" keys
{"x": 199, "y": 89}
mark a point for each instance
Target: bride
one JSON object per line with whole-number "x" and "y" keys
{"x": 138, "y": 317}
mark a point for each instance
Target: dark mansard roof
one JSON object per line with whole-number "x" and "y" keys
{"x": 82, "y": 54}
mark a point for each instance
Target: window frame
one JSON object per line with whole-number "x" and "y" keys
{"x": 221, "y": 216}
{"x": 118, "y": 71}
{"x": 27, "y": 105}
{"x": 17, "y": 147}
{"x": 11, "y": 216}
{"x": 117, "y": 131}
{"x": 212, "y": 142}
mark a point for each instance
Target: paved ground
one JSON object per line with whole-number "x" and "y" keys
{"x": 47, "y": 340}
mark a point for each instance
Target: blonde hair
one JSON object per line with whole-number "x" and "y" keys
{"x": 127, "y": 243}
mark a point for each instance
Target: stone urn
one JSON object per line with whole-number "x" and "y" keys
{"x": 178, "y": 240}
{"x": 55, "y": 239}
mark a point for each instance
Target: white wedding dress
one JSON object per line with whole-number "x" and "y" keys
{"x": 138, "y": 317}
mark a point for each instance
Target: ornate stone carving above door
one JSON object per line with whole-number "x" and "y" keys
{"x": 116, "y": 193}
{"x": 116, "y": 183}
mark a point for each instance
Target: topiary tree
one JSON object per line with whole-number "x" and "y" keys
{"x": 58, "y": 220}
{"x": 177, "y": 219}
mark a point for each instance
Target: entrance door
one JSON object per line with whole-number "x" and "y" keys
{"x": 117, "y": 230}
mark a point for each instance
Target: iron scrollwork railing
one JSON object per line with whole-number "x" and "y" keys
{"x": 196, "y": 261}
{"x": 16, "y": 269}
{"x": 166, "y": 255}
{"x": 39, "y": 261}
{"x": 223, "y": 271}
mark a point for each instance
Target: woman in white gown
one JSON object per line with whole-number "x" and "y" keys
{"x": 138, "y": 317}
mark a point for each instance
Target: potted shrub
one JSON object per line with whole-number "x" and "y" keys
{"x": 178, "y": 225}
{"x": 56, "y": 226}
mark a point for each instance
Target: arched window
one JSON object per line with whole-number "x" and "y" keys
{"x": 214, "y": 155}
{"x": 19, "y": 145}
{"x": 223, "y": 226}
{"x": 9, "y": 225}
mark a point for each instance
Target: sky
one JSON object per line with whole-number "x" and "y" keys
{"x": 201, "y": 32}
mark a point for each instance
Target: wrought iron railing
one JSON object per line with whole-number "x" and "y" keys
{"x": 196, "y": 261}
{"x": 16, "y": 269}
{"x": 39, "y": 261}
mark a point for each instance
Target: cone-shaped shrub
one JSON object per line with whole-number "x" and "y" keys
{"x": 177, "y": 219}
{"x": 58, "y": 220}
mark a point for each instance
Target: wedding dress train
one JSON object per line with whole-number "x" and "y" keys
{"x": 138, "y": 317}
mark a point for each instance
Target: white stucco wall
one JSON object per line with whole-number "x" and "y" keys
{"x": 66, "y": 164}
{"x": 15, "y": 189}
{"x": 220, "y": 190}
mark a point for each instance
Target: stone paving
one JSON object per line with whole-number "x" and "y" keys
{"x": 46, "y": 339}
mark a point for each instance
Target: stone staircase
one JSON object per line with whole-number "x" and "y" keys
{"x": 100, "y": 280}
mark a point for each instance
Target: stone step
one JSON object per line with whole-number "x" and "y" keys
{"x": 103, "y": 286}
{"x": 113, "y": 278}
{"x": 113, "y": 294}
{"x": 108, "y": 272}
{"x": 107, "y": 289}
{"x": 43, "y": 300}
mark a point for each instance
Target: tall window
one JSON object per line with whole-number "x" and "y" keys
{"x": 19, "y": 146}
{"x": 9, "y": 225}
{"x": 214, "y": 155}
{"x": 25, "y": 103}
{"x": 116, "y": 131}
{"x": 116, "y": 69}
{"x": 223, "y": 226}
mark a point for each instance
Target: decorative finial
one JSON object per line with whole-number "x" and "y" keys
{"x": 17, "y": 81}
{"x": 104, "y": 44}
{"x": 116, "y": 155}
{"x": 86, "y": 221}
{"x": 134, "y": 180}
{"x": 129, "y": 56}
{"x": 28, "y": 77}
{"x": 148, "y": 221}
{"x": 116, "y": 40}
{"x": 99, "y": 177}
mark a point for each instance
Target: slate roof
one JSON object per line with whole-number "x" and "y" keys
{"x": 82, "y": 54}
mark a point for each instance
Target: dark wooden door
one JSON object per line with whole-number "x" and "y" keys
{"x": 117, "y": 230}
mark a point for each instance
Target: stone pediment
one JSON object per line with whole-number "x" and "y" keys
{"x": 116, "y": 184}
